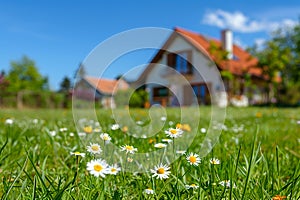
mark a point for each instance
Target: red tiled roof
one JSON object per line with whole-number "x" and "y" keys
{"x": 244, "y": 62}
{"x": 107, "y": 86}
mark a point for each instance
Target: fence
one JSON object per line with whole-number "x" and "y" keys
{"x": 32, "y": 99}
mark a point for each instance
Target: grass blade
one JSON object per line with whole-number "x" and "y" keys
{"x": 250, "y": 165}
{"x": 39, "y": 175}
{"x": 11, "y": 186}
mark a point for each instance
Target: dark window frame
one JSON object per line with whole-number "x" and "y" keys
{"x": 157, "y": 90}
{"x": 180, "y": 62}
{"x": 205, "y": 97}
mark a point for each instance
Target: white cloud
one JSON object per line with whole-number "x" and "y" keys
{"x": 259, "y": 42}
{"x": 239, "y": 22}
{"x": 283, "y": 23}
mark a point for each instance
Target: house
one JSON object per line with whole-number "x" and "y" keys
{"x": 182, "y": 72}
{"x": 99, "y": 90}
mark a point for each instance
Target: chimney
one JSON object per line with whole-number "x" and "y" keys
{"x": 227, "y": 42}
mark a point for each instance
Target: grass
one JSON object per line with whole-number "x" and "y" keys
{"x": 258, "y": 149}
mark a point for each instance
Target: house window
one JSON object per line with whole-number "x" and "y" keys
{"x": 160, "y": 92}
{"x": 160, "y": 96}
{"x": 202, "y": 93}
{"x": 179, "y": 61}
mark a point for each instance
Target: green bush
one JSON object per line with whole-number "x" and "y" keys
{"x": 131, "y": 98}
{"x": 30, "y": 100}
{"x": 290, "y": 95}
{"x": 8, "y": 100}
{"x": 57, "y": 100}
{"x": 138, "y": 99}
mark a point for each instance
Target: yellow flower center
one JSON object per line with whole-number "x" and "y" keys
{"x": 160, "y": 170}
{"x": 173, "y": 131}
{"x": 214, "y": 162}
{"x": 193, "y": 159}
{"x": 98, "y": 168}
{"x": 95, "y": 148}
{"x": 88, "y": 129}
{"x": 113, "y": 170}
{"x": 151, "y": 141}
{"x": 125, "y": 129}
{"x": 105, "y": 137}
{"x": 77, "y": 153}
{"x": 129, "y": 148}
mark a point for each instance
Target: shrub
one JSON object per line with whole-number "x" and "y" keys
{"x": 290, "y": 95}
{"x": 136, "y": 99}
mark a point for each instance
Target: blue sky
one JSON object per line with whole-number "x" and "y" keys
{"x": 58, "y": 35}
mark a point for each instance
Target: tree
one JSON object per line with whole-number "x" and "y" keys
{"x": 3, "y": 86}
{"x": 3, "y": 82}
{"x": 24, "y": 75}
{"x": 132, "y": 98}
{"x": 65, "y": 85}
{"x": 80, "y": 71}
{"x": 220, "y": 57}
{"x": 279, "y": 59}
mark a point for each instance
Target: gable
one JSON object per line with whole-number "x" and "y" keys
{"x": 242, "y": 62}
{"x": 175, "y": 44}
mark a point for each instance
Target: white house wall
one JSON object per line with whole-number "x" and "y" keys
{"x": 208, "y": 73}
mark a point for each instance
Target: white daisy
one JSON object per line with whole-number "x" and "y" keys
{"x": 9, "y": 121}
{"x": 160, "y": 145}
{"x": 215, "y": 161}
{"x": 94, "y": 148}
{"x": 192, "y": 186}
{"x": 63, "y": 129}
{"x": 52, "y": 133}
{"x": 35, "y": 121}
{"x": 226, "y": 183}
{"x": 97, "y": 168}
{"x": 163, "y": 118}
{"x": 174, "y": 132}
{"x": 114, "y": 169}
{"x": 105, "y": 137}
{"x": 97, "y": 130}
{"x": 78, "y": 154}
{"x": 180, "y": 152}
{"x": 203, "y": 130}
{"x": 115, "y": 127}
{"x": 139, "y": 123}
{"x": 149, "y": 191}
{"x": 193, "y": 159}
{"x": 128, "y": 149}
{"x": 167, "y": 140}
{"x": 81, "y": 134}
{"x": 161, "y": 171}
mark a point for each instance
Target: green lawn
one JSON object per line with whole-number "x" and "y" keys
{"x": 258, "y": 149}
